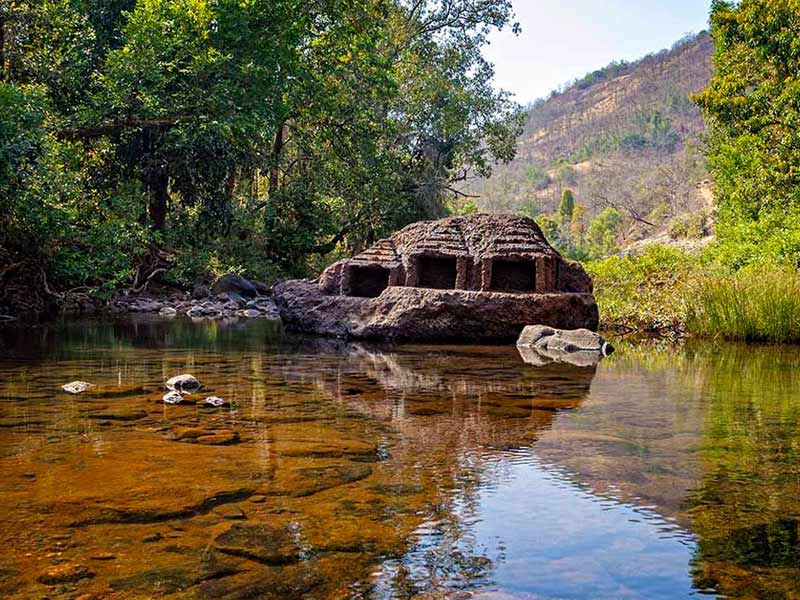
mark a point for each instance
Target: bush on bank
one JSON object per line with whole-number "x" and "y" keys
{"x": 667, "y": 291}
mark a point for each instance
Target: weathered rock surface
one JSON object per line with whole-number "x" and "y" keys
{"x": 236, "y": 284}
{"x": 225, "y": 305}
{"x": 549, "y": 338}
{"x": 214, "y": 401}
{"x": 262, "y": 543}
{"x": 219, "y": 438}
{"x": 474, "y": 278}
{"x": 540, "y": 345}
{"x": 114, "y": 391}
{"x": 67, "y": 573}
{"x": 118, "y": 414}
{"x": 77, "y": 387}
{"x": 403, "y": 313}
{"x": 172, "y": 397}
{"x": 200, "y": 291}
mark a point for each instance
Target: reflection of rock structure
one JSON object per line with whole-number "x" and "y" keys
{"x": 539, "y": 357}
{"x": 479, "y": 277}
{"x": 466, "y": 405}
{"x": 454, "y": 416}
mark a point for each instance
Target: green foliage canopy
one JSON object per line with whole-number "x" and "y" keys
{"x": 237, "y": 134}
{"x": 752, "y": 108}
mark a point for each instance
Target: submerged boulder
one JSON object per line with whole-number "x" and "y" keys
{"x": 214, "y": 401}
{"x": 540, "y": 344}
{"x": 172, "y": 398}
{"x": 65, "y": 573}
{"x": 471, "y": 278}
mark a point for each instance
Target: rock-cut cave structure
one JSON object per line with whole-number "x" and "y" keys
{"x": 471, "y": 278}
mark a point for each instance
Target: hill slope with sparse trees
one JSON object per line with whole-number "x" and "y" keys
{"x": 626, "y": 140}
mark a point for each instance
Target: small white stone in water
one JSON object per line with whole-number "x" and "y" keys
{"x": 76, "y": 387}
{"x": 172, "y": 398}
{"x": 183, "y": 383}
{"x": 214, "y": 401}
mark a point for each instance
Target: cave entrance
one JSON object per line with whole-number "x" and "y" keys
{"x": 368, "y": 281}
{"x": 513, "y": 275}
{"x": 437, "y": 272}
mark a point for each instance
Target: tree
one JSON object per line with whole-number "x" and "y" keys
{"x": 752, "y": 108}
{"x": 238, "y": 135}
{"x": 549, "y": 226}
{"x": 566, "y": 207}
{"x": 577, "y": 227}
{"x": 394, "y": 113}
{"x": 603, "y": 232}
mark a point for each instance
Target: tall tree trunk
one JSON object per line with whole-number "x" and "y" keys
{"x": 277, "y": 150}
{"x": 158, "y": 188}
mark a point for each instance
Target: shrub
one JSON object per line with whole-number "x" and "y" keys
{"x": 693, "y": 226}
{"x": 603, "y": 232}
{"x": 644, "y": 293}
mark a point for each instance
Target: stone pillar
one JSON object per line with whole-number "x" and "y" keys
{"x": 346, "y": 288}
{"x": 545, "y": 274}
{"x": 463, "y": 265}
{"x": 412, "y": 272}
{"x": 486, "y": 275}
{"x": 397, "y": 276}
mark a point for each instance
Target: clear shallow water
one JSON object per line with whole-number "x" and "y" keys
{"x": 352, "y": 471}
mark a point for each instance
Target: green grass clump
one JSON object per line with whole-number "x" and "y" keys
{"x": 751, "y": 305}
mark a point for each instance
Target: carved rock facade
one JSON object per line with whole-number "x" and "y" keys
{"x": 471, "y": 278}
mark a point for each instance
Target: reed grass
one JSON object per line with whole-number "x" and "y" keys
{"x": 753, "y": 305}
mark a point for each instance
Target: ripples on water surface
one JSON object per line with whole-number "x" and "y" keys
{"x": 352, "y": 471}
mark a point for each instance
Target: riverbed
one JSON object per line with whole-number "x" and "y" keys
{"x": 344, "y": 470}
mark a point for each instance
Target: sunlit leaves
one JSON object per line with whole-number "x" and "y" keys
{"x": 753, "y": 110}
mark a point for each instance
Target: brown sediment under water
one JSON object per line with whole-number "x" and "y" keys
{"x": 352, "y": 471}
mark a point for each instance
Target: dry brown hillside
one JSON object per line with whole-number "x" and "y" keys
{"x": 626, "y": 136}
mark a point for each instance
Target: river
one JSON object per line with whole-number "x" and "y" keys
{"x": 358, "y": 471}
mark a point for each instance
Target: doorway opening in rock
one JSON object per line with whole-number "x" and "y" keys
{"x": 368, "y": 282}
{"x": 437, "y": 272}
{"x": 513, "y": 275}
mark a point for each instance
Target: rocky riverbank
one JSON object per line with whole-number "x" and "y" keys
{"x": 229, "y": 296}
{"x": 219, "y": 306}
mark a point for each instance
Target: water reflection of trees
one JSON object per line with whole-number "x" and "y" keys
{"x": 714, "y": 440}
{"x": 72, "y": 338}
{"x": 746, "y": 509}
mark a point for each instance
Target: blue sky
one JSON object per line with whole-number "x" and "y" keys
{"x": 565, "y": 39}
